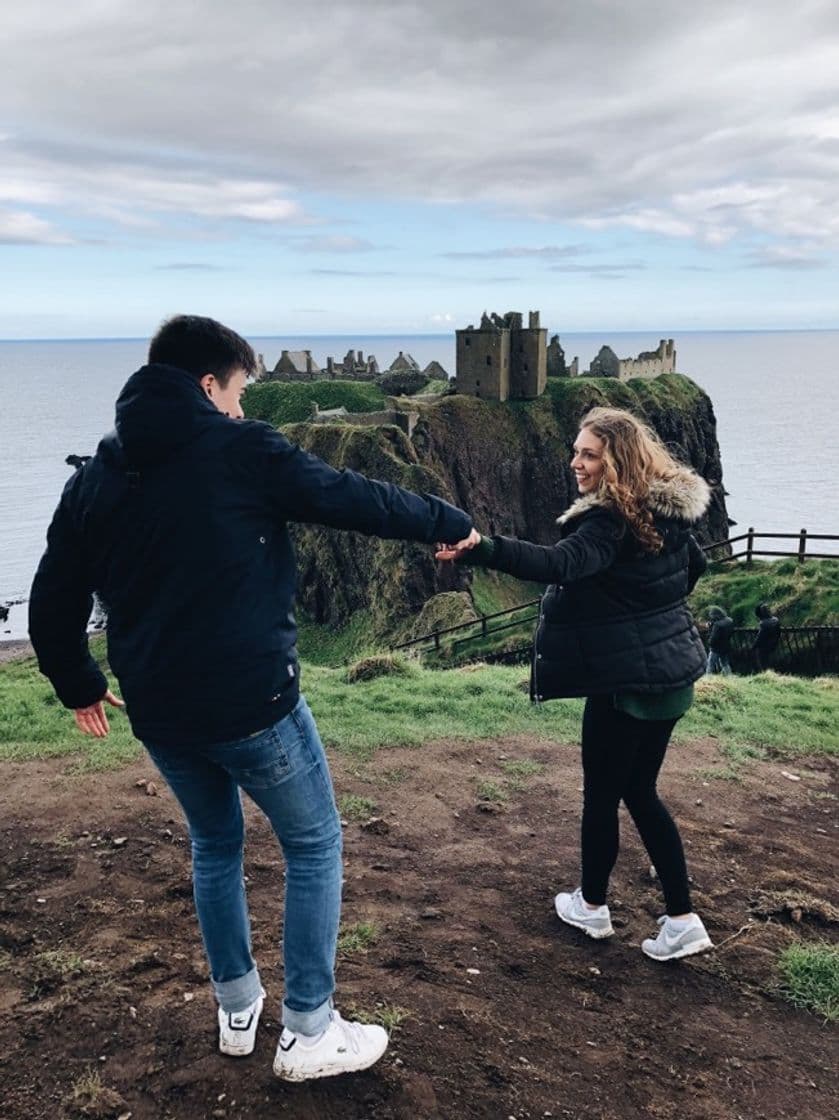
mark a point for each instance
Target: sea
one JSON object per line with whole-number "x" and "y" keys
{"x": 775, "y": 396}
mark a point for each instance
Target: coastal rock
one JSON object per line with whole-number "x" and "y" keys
{"x": 509, "y": 467}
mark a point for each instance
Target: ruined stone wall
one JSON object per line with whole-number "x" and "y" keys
{"x": 650, "y": 363}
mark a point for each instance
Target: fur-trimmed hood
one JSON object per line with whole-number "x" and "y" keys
{"x": 684, "y": 497}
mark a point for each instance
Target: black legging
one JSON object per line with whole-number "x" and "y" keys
{"x": 621, "y": 760}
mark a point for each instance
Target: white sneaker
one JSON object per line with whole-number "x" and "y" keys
{"x": 237, "y": 1029}
{"x": 572, "y": 909}
{"x": 343, "y": 1047}
{"x": 672, "y": 943}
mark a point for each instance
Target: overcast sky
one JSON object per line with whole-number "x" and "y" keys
{"x": 393, "y": 166}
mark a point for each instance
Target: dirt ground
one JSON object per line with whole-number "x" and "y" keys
{"x": 504, "y": 1012}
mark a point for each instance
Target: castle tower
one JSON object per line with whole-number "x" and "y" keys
{"x": 483, "y": 361}
{"x": 529, "y": 359}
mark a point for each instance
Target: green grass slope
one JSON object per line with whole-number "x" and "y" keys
{"x": 288, "y": 402}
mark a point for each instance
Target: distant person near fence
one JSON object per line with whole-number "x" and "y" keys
{"x": 719, "y": 641}
{"x": 768, "y": 637}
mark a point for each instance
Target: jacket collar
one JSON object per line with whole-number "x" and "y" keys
{"x": 683, "y": 497}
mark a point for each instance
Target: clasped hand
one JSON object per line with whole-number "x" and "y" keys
{"x": 455, "y": 551}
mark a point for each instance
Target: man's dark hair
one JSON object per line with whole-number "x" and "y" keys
{"x": 763, "y": 610}
{"x": 200, "y": 346}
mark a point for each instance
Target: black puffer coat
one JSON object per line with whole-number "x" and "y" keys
{"x": 180, "y": 523}
{"x": 614, "y": 618}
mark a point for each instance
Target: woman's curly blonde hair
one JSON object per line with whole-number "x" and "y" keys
{"x": 633, "y": 457}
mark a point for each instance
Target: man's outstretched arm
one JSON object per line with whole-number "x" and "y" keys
{"x": 305, "y": 488}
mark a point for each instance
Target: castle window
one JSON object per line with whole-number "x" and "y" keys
{"x": 489, "y": 359}
{"x": 468, "y": 340}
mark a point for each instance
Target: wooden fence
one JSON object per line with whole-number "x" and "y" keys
{"x": 751, "y": 550}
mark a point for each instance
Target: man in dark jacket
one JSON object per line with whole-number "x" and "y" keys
{"x": 719, "y": 641}
{"x": 768, "y": 636}
{"x": 182, "y": 511}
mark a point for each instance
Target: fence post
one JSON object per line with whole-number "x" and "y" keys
{"x": 437, "y": 637}
{"x": 483, "y": 626}
{"x": 750, "y": 543}
{"x": 802, "y": 545}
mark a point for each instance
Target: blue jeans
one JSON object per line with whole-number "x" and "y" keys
{"x": 718, "y": 663}
{"x": 284, "y": 770}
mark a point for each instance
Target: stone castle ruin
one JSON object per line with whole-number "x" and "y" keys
{"x": 502, "y": 360}
{"x": 299, "y": 365}
{"x": 649, "y": 363}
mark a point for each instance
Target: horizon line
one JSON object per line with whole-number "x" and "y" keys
{"x": 659, "y": 331}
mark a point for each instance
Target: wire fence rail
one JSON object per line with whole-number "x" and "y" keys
{"x": 808, "y": 645}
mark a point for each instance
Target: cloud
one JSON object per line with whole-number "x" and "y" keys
{"x": 19, "y": 227}
{"x": 191, "y": 266}
{"x": 543, "y": 252}
{"x": 709, "y": 122}
{"x": 348, "y": 272}
{"x": 601, "y": 271}
{"x": 785, "y": 257}
{"x": 332, "y": 243}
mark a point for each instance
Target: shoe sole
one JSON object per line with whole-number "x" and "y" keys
{"x": 688, "y": 951}
{"x": 242, "y": 1052}
{"x": 597, "y": 934}
{"x": 291, "y": 1073}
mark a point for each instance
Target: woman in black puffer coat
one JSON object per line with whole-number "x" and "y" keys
{"x": 614, "y": 627}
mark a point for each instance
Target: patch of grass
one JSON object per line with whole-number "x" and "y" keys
{"x": 769, "y": 714}
{"x": 810, "y": 978}
{"x": 90, "y": 1097}
{"x": 289, "y": 402}
{"x": 519, "y": 771}
{"x": 801, "y": 594}
{"x": 53, "y": 968}
{"x": 34, "y": 725}
{"x": 325, "y": 645}
{"x": 353, "y": 807}
{"x": 491, "y": 791}
{"x": 62, "y": 963}
{"x": 522, "y": 767}
{"x": 387, "y": 1015}
{"x": 463, "y": 704}
{"x": 379, "y": 665}
{"x": 720, "y": 773}
{"x": 357, "y": 938}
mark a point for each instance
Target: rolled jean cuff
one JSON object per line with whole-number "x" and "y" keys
{"x": 236, "y": 995}
{"x": 308, "y": 1022}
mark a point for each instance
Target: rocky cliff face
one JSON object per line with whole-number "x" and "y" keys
{"x": 507, "y": 464}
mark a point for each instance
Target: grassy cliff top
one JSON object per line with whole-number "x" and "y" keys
{"x": 788, "y": 716}
{"x": 800, "y": 594}
{"x": 288, "y": 402}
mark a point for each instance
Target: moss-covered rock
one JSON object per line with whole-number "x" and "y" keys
{"x": 449, "y": 608}
{"x": 378, "y": 665}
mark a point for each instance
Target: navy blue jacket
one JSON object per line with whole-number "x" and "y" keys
{"x": 179, "y": 524}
